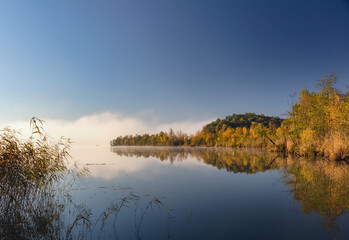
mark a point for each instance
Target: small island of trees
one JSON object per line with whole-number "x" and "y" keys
{"x": 317, "y": 125}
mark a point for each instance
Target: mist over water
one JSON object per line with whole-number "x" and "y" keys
{"x": 99, "y": 129}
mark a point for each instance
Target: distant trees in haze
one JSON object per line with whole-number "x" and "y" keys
{"x": 160, "y": 139}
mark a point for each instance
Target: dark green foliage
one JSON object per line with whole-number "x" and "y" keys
{"x": 159, "y": 139}
{"x": 242, "y": 120}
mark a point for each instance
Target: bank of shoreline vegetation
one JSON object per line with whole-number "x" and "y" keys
{"x": 317, "y": 125}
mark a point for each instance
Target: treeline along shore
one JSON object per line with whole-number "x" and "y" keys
{"x": 317, "y": 125}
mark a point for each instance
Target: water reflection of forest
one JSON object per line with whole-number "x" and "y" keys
{"x": 320, "y": 186}
{"x": 232, "y": 159}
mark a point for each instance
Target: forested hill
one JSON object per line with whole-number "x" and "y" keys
{"x": 237, "y": 130}
{"x": 242, "y": 120}
{"x": 317, "y": 125}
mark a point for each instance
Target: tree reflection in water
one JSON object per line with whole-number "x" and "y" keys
{"x": 319, "y": 186}
{"x": 36, "y": 183}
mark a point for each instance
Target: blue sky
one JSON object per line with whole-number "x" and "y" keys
{"x": 173, "y": 59}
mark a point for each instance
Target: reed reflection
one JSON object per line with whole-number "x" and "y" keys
{"x": 30, "y": 172}
{"x": 37, "y": 187}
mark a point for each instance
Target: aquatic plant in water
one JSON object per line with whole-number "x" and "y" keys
{"x": 36, "y": 185}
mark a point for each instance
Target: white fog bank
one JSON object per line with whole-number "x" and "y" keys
{"x": 99, "y": 129}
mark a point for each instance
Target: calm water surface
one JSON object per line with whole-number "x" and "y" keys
{"x": 208, "y": 193}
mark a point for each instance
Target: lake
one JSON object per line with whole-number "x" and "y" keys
{"x": 183, "y": 193}
{"x": 209, "y": 193}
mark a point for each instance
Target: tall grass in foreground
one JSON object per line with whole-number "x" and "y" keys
{"x": 28, "y": 169}
{"x": 36, "y": 185}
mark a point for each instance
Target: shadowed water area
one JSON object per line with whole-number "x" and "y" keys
{"x": 182, "y": 193}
